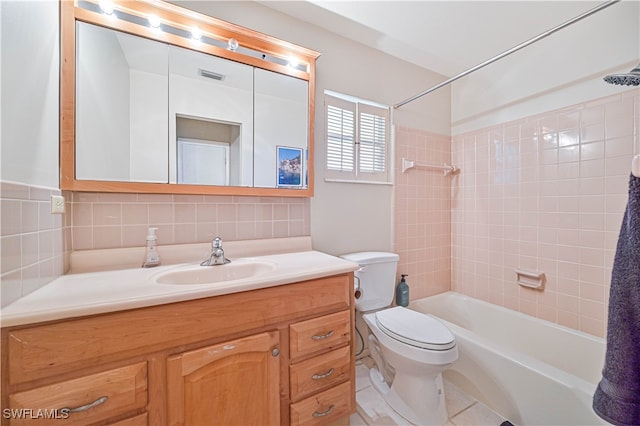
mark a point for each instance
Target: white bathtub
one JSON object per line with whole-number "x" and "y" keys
{"x": 531, "y": 371}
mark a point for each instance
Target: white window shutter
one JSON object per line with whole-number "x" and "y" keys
{"x": 373, "y": 131}
{"x": 358, "y": 139}
{"x": 341, "y": 137}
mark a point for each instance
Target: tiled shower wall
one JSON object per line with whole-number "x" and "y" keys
{"x": 422, "y": 210}
{"x": 545, "y": 194}
{"x": 31, "y": 239}
{"x": 106, "y": 220}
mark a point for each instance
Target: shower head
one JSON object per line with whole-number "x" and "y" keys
{"x": 632, "y": 78}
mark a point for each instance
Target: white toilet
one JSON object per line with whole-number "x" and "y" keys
{"x": 411, "y": 349}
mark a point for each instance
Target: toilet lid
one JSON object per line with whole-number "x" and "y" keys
{"x": 414, "y": 328}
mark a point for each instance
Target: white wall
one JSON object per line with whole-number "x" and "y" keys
{"x": 563, "y": 69}
{"x": 346, "y": 217}
{"x": 30, "y": 62}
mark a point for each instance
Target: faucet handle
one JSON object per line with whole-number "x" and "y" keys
{"x": 216, "y": 243}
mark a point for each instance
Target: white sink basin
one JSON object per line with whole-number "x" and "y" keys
{"x": 234, "y": 271}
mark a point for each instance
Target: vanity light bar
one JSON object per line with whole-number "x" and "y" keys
{"x": 106, "y": 7}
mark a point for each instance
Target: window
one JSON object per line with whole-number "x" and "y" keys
{"x": 357, "y": 140}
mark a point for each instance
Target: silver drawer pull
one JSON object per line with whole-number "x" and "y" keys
{"x": 323, "y": 375}
{"x": 324, "y": 413}
{"x": 86, "y": 407}
{"x": 322, "y": 336}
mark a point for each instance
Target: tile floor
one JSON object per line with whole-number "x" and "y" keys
{"x": 372, "y": 409}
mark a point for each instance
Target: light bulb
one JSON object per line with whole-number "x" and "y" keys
{"x": 232, "y": 44}
{"x": 293, "y": 62}
{"x": 154, "y": 21}
{"x": 196, "y": 34}
{"x": 106, "y": 6}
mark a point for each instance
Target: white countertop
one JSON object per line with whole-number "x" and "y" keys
{"x": 89, "y": 293}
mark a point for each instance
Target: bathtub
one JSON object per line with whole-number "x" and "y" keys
{"x": 531, "y": 371}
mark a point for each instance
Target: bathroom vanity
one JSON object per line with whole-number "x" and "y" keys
{"x": 266, "y": 339}
{"x": 281, "y": 353}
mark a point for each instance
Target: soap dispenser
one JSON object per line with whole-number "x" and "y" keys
{"x": 151, "y": 255}
{"x": 402, "y": 292}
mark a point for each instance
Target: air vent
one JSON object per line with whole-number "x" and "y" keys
{"x": 211, "y": 74}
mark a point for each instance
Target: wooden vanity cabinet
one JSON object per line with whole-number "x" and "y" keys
{"x": 280, "y": 355}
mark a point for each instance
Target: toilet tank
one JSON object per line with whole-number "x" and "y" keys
{"x": 377, "y": 279}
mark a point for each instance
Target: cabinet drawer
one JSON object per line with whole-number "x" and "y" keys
{"x": 320, "y": 372}
{"x": 329, "y": 331}
{"x": 96, "y": 397}
{"x": 324, "y": 407}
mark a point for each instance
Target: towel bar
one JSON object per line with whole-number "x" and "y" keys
{"x": 446, "y": 168}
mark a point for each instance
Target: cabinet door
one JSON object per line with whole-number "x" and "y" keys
{"x": 232, "y": 383}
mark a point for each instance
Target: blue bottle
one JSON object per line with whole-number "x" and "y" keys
{"x": 402, "y": 292}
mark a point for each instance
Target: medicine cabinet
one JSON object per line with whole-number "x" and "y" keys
{"x": 159, "y": 99}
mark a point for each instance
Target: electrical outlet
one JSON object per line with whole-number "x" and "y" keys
{"x": 57, "y": 204}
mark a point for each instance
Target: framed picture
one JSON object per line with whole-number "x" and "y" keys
{"x": 289, "y": 167}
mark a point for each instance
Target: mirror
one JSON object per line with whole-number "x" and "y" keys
{"x": 212, "y": 99}
{"x": 121, "y": 107}
{"x": 206, "y": 151}
{"x": 150, "y": 112}
{"x": 281, "y": 120}
{"x": 153, "y": 112}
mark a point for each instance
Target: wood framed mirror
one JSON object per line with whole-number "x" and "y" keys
{"x": 159, "y": 99}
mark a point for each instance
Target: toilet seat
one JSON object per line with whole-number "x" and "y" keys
{"x": 415, "y": 329}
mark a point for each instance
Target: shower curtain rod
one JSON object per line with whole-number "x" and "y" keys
{"x": 508, "y": 52}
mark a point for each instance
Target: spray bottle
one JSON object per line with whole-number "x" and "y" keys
{"x": 151, "y": 255}
{"x": 402, "y": 292}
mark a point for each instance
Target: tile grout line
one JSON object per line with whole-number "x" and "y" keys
{"x": 451, "y": 416}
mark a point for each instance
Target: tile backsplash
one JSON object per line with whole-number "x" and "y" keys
{"x": 546, "y": 193}
{"x": 31, "y": 238}
{"x": 111, "y": 220}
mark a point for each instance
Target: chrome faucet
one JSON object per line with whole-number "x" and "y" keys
{"x": 217, "y": 254}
